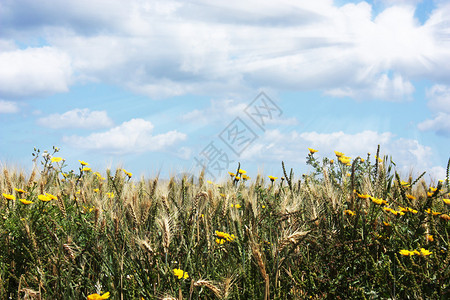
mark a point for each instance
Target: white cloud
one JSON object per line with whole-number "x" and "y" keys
{"x": 276, "y": 146}
{"x": 440, "y": 124}
{"x": 169, "y": 48}
{"x": 439, "y": 103}
{"x": 8, "y": 107}
{"x": 77, "y": 118}
{"x": 34, "y": 72}
{"x": 134, "y": 136}
{"x": 439, "y": 98}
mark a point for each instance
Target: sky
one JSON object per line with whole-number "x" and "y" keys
{"x": 166, "y": 87}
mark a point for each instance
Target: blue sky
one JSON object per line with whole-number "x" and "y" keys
{"x": 156, "y": 86}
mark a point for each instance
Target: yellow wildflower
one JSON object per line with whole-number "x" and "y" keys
{"x": 331, "y": 161}
{"x": 386, "y": 224}
{"x": 410, "y": 197}
{"x": 51, "y": 196}
{"x": 98, "y": 297}
{"x": 363, "y": 196}
{"x": 378, "y": 201}
{"x": 245, "y": 177}
{"x": 56, "y": 159}
{"x": 44, "y": 198}
{"x": 272, "y": 178}
{"x": 209, "y": 181}
{"x": 25, "y": 201}
{"x": 96, "y": 190}
{"x": 404, "y": 183}
{"x": 349, "y": 212}
{"x": 83, "y": 163}
{"x": 312, "y": 151}
{"x": 231, "y": 174}
{"x": 110, "y": 195}
{"x": 225, "y": 236}
{"x": 338, "y": 154}
{"x": 127, "y": 173}
{"x": 237, "y": 206}
{"x": 425, "y": 252}
{"x": 242, "y": 171}
{"x": 446, "y": 201}
{"x": 180, "y": 274}
{"x": 445, "y": 217}
{"x": 237, "y": 178}
{"x": 430, "y": 238}
{"x": 405, "y": 252}
{"x": 86, "y": 169}
{"x": 8, "y": 196}
{"x": 220, "y": 241}
{"x": 20, "y": 191}
{"x": 433, "y": 189}
{"x": 430, "y": 212}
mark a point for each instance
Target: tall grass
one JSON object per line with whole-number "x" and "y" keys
{"x": 320, "y": 236}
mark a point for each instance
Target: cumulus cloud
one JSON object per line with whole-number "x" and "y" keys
{"x": 8, "y": 107}
{"x": 439, "y": 103}
{"x": 277, "y": 146}
{"x": 34, "y": 72}
{"x": 134, "y": 136}
{"x": 77, "y": 118}
{"x": 167, "y": 48}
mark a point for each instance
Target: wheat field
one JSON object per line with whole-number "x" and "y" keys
{"x": 350, "y": 229}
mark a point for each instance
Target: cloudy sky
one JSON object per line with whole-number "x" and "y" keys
{"x": 165, "y": 86}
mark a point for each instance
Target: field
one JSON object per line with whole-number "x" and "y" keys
{"x": 350, "y": 229}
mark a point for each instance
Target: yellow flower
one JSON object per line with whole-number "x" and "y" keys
{"x": 237, "y": 178}
{"x": 362, "y": 159}
{"x": 349, "y": 212}
{"x": 312, "y": 151}
{"x": 44, "y": 198}
{"x": 242, "y": 171}
{"x": 429, "y": 194}
{"x": 20, "y": 191}
{"x": 430, "y": 212}
{"x": 223, "y": 195}
{"x": 338, "y": 154}
{"x": 404, "y": 183}
{"x": 220, "y": 241}
{"x": 263, "y": 206}
{"x": 405, "y": 252}
{"x": 345, "y": 160}
{"x": 410, "y": 197}
{"x": 8, "y": 196}
{"x": 51, "y": 196}
{"x": 210, "y": 182}
{"x": 127, "y": 173}
{"x": 231, "y": 174}
{"x": 180, "y": 273}
{"x": 86, "y": 169}
{"x": 98, "y": 297}
{"x": 225, "y": 236}
{"x": 331, "y": 161}
{"x": 425, "y": 252}
{"x": 25, "y": 201}
{"x": 445, "y": 217}
{"x": 433, "y": 189}
{"x": 56, "y": 159}
{"x": 245, "y": 177}
{"x": 96, "y": 190}
{"x": 378, "y": 201}
{"x": 412, "y": 210}
{"x": 272, "y": 178}
{"x": 430, "y": 238}
{"x": 110, "y": 195}
{"x": 237, "y": 206}
{"x": 83, "y": 163}
{"x": 386, "y": 224}
{"x": 363, "y": 196}
{"x": 446, "y": 201}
